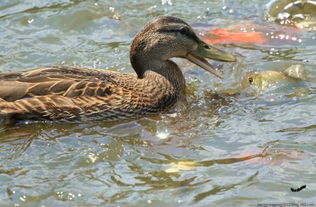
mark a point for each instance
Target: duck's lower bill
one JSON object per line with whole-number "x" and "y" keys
{"x": 203, "y": 63}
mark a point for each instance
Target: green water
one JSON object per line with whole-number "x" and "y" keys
{"x": 220, "y": 150}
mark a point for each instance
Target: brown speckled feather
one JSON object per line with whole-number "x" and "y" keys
{"x": 66, "y": 93}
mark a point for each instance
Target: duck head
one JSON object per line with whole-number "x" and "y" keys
{"x": 166, "y": 37}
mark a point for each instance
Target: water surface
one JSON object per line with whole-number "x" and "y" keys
{"x": 220, "y": 150}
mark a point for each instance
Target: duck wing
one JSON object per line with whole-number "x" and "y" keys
{"x": 64, "y": 81}
{"x": 65, "y": 93}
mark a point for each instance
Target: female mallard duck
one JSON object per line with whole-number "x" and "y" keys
{"x": 68, "y": 93}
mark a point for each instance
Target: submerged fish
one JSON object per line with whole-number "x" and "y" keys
{"x": 266, "y": 79}
{"x": 249, "y": 33}
{"x": 275, "y": 155}
{"x": 307, "y": 24}
{"x": 181, "y": 166}
{"x": 297, "y": 13}
{"x": 300, "y": 15}
{"x": 257, "y": 81}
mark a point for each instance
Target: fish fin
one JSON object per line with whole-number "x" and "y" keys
{"x": 296, "y": 71}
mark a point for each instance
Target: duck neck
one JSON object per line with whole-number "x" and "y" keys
{"x": 165, "y": 69}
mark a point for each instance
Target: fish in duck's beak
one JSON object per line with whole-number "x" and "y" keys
{"x": 205, "y": 51}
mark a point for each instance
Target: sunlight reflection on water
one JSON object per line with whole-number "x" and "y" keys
{"x": 220, "y": 149}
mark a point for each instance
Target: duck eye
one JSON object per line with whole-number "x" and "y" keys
{"x": 250, "y": 80}
{"x": 183, "y": 30}
{"x": 206, "y": 47}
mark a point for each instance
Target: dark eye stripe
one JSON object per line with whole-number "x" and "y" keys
{"x": 184, "y": 31}
{"x": 192, "y": 36}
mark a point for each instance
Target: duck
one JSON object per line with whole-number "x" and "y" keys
{"x": 66, "y": 93}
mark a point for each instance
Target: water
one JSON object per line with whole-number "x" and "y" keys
{"x": 220, "y": 150}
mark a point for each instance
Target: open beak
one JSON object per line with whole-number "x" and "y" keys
{"x": 205, "y": 51}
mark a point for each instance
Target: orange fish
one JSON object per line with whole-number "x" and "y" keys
{"x": 243, "y": 34}
{"x": 251, "y": 33}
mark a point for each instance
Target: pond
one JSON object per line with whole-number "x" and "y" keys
{"x": 222, "y": 149}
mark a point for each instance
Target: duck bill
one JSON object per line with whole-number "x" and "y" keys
{"x": 204, "y": 51}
